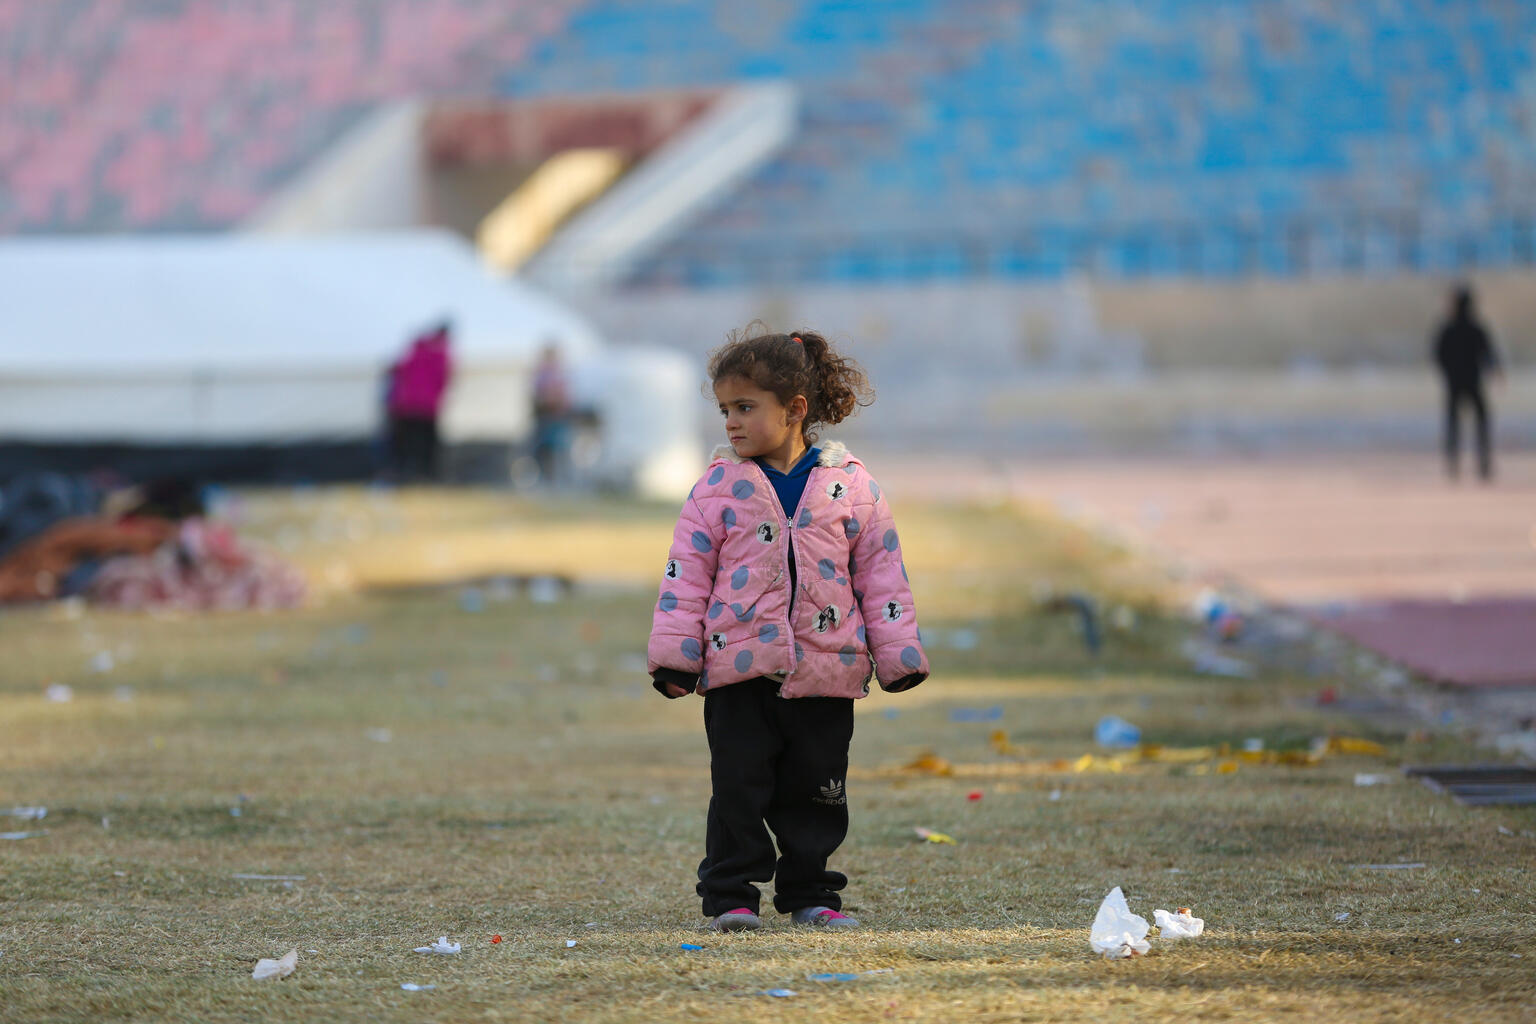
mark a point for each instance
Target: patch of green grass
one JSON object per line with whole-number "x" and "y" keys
{"x": 429, "y": 770}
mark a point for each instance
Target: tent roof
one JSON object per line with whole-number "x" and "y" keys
{"x": 121, "y": 305}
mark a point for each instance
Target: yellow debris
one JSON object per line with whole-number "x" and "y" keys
{"x": 1352, "y": 745}
{"x": 1089, "y": 763}
{"x": 1176, "y": 755}
{"x": 1000, "y": 743}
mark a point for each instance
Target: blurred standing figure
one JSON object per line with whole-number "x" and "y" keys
{"x": 1464, "y": 352}
{"x": 551, "y": 415}
{"x": 416, "y": 388}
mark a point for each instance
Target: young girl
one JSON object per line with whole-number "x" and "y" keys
{"x": 783, "y": 593}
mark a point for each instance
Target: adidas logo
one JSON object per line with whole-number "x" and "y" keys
{"x": 831, "y": 794}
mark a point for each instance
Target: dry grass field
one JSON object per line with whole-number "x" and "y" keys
{"x": 475, "y": 762}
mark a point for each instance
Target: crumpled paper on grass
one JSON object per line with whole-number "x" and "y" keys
{"x": 1180, "y": 925}
{"x": 442, "y": 945}
{"x": 276, "y": 968}
{"x": 1117, "y": 933}
{"x": 931, "y": 836}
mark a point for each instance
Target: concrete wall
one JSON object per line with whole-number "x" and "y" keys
{"x": 1334, "y": 322}
{"x": 1079, "y": 365}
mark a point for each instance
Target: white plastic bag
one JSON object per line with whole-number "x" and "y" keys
{"x": 1117, "y": 933}
{"x": 442, "y": 945}
{"x": 1177, "y": 926}
{"x": 276, "y": 968}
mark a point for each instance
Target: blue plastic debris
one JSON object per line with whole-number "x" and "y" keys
{"x": 688, "y": 945}
{"x": 990, "y": 714}
{"x": 839, "y": 976}
{"x": 1116, "y": 732}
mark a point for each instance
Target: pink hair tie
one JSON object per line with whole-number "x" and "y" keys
{"x": 797, "y": 339}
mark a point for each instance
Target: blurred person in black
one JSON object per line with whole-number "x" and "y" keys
{"x": 1464, "y": 352}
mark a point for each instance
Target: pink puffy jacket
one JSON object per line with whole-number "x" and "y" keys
{"x": 725, "y": 613}
{"x": 421, "y": 377}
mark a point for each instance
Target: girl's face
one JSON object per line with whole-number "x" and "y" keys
{"x": 758, "y": 424}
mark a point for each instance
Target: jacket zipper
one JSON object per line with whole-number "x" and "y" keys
{"x": 789, "y": 541}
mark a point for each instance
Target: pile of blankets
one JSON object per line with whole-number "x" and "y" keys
{"x": 135, "y": 548}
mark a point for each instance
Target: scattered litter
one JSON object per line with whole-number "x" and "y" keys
{"x": 28, "y": 813}
{"x": 276, "y": 968}
{"x": 1117, "y": 933}
{"x": 270, "y": 878}
{"x": 1116, "y": 733}
{"x": 1373, "y": 779}
{"x": 1253, "y": 744}
{"x": 990, "y": 714}
{"x": 929, "y": 764}
{"x": 848, "y": 976}
{"x": 1089, "y": 763}
{"x": 60, "y": 693}
{"x": 689, "y": 946}
{"x": 311, "y": 951}
{"x": 934, "y": 837}
{"x": 1212, "y": 663}
{"x": 1351, "y": 745}
{"x": 1178, "y": 925}
{"x": 495, "y": 939}
{"x": 1391, "y": 867}
{"x": 379, "y": 735}
{"x": 1341, "y": 917}
{"x": 22, "y": 835}
{"x": 1055, "y": 795}
{"x": 1506, "y": 831}
{"x": 973, "y": 795}
{"x": 1087, "y": 612}
{"x": 779, "y": 993}
{"x": 411, "y": 986}
{"x": 442, "y": 945}
{"x": 592, "y": 924}
{"x": 570, "y": 943}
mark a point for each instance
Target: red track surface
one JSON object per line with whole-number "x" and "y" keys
{"x": 1436, "y": 575}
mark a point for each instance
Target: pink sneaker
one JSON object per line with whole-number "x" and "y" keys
{"x": 741, "y": 919}
{"x": 823, "y": 917}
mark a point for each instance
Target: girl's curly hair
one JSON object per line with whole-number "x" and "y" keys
{"x": 798, "y": 363}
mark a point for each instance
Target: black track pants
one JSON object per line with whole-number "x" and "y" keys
{"x": 782, "y": 765}
{"x": 1472, "y": 396}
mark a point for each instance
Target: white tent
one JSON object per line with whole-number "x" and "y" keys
{"x": 241, "y": 339}
{"x": 234, "y": 338}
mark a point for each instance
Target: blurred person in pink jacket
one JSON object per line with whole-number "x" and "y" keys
{"x": 784, "y": 593}
{"x": 417, "y": 384}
